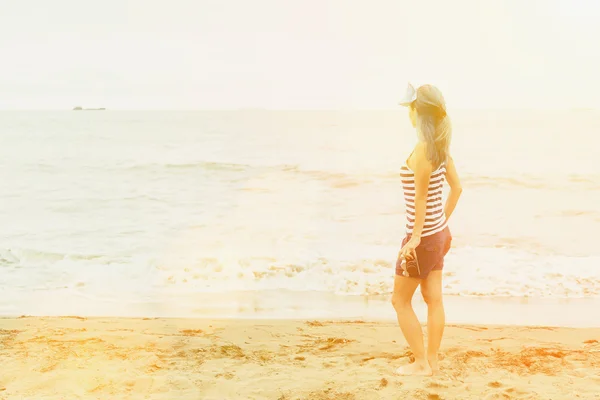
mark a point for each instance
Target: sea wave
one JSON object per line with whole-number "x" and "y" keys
{"x": 485, "y": 272}
{"x": 340, "y": 178}
{"x": 489, "y": 272}
{"x": 335, "y": 175}
{"x": 23, "y": 256}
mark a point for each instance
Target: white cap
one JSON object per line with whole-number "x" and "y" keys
{"x": 409, "y": 96}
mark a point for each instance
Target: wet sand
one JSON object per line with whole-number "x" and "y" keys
{"x": 100, "y": 358}
{"x": 285, "y": 304}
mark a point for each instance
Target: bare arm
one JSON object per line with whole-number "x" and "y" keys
{"x": 455, "y": 188}
{"x": 422, "y": 170}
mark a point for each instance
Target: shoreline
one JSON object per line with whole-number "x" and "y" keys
{"x": 90, "y": 358}
{"x": 287, "y": 305}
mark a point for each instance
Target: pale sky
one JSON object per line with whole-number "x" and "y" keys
{"x": 201, "y": 54}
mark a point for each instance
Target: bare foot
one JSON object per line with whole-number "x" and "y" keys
{"x": 419, "y": 369}
{"x": 433, "y": 363}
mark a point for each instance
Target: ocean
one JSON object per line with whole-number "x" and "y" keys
{"x": 170, "y": 208}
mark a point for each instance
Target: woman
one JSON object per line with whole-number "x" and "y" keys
{"x": 428, "y": 238}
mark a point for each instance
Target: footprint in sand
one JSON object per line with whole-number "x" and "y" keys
{"x": 497, "y": 396}
{"x": 425, "y": 395}
{"x": 226, "y": 375}
{"x": 436, "y": 385}
{"x": 191, "y": 332}
{"x": 383, "y": 383}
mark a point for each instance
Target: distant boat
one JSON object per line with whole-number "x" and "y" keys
{"x": 88, "y": 109}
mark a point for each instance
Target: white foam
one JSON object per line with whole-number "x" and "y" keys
{"x": 360, "y": 271}
{"x": 467, "y": 272}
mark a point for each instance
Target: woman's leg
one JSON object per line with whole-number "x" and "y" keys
{"x": 431, "y": 288}
{"x": 404, "y": 288}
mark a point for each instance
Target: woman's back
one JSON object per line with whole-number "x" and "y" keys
{"x": 435, "y": 220}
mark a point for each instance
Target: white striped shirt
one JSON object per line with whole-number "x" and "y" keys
{"x": 435, "y": 220}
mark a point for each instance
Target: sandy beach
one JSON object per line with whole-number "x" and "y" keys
{"x": 126, "y": 358}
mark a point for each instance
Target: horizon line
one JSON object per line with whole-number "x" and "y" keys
{"x": 255, "y": 109}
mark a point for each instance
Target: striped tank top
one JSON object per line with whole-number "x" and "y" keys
{"x": 435, "y": 221}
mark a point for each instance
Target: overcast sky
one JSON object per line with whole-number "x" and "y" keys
{"x": 198, "y": 54}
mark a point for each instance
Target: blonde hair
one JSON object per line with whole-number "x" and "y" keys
{"x": 433, "y": 123}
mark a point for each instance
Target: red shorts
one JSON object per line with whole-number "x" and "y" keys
{"x": 430, "y": 252}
